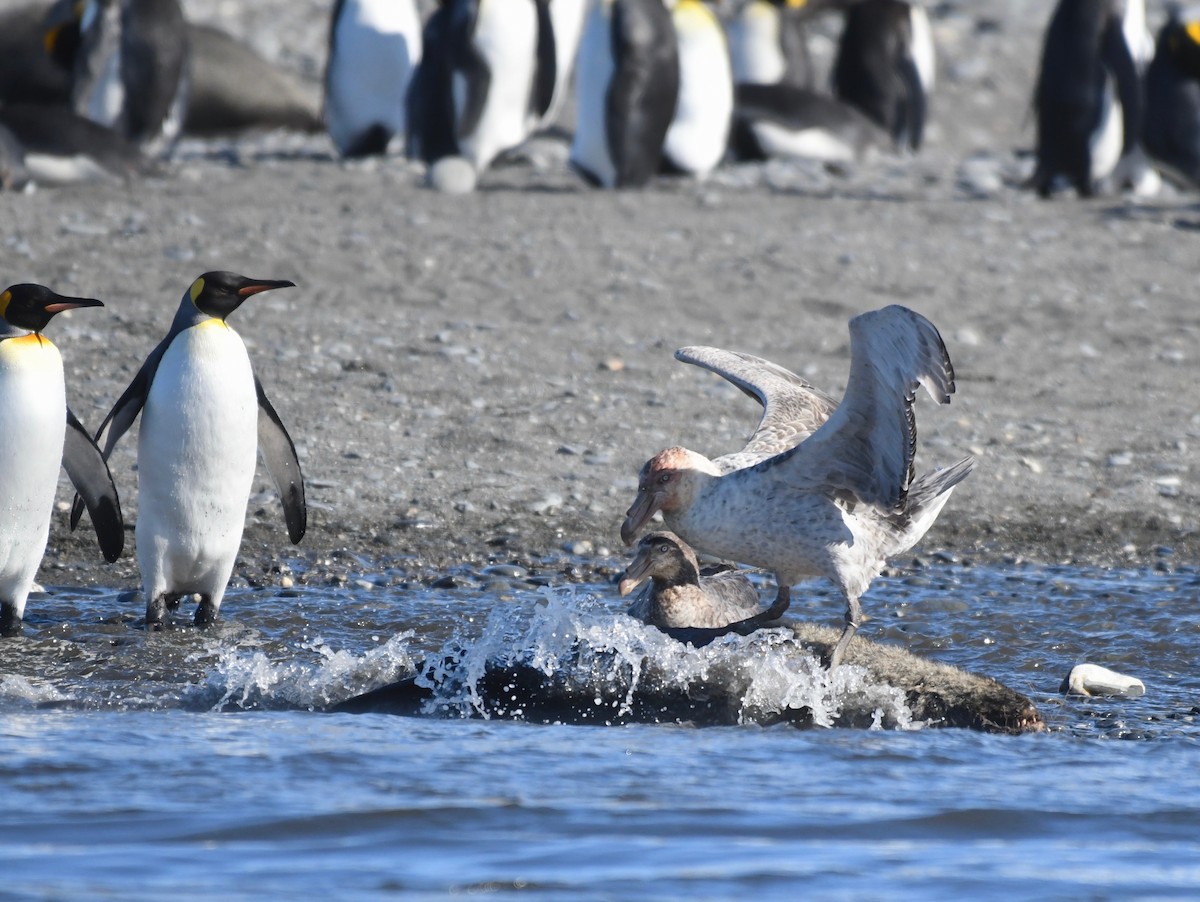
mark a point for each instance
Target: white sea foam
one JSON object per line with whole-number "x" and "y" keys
{"x": 33, "y": 692}
{"x": 578, "y": 640}
{"x": 243, "y": 678}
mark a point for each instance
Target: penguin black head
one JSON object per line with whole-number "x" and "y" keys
{"x": 29, "y": 306}
{"x": 219, "y": 293}
{"x": 1182, "y": 35}
{"x": 61, "y": 37}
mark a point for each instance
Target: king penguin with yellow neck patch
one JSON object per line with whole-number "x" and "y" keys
{"x": 699, "y": 132}
{"x": 38, "y": 433}
{"x": 204, "y": 416}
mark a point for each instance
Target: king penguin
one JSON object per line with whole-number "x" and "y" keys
{"x": 626, "y": 89}
{"x": 131, "y": 69}
{"x": 698, "y": 136}
{"x": 1088, "y": 95}
{"x": 566, "y": 23}
{"x": 38, "y": 434}
{"x": 885, "y": 66}
{"x": 768, "y": 43}
{"x": 486, "y": 79}
{"x": 1172, "y": 127}
{"x": 204, "y": 415}
{"x": 374, "y": 47}
{"x": 62, "y": 148}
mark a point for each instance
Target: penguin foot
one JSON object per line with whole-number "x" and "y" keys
{"x": 10, "y": 623}
{"x": 156, "y": 614}
{"x": 206, "y": 612}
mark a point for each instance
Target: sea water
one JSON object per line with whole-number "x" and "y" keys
{"x": 192, "y": 764}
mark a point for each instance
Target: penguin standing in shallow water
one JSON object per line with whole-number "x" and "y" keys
{"x": 204, "y": 415}
{"x": 1171, "y": 132}
{"x": 626, "y": 89}
{"x": 1088, "y": 95}
{"x": 38, "y": 434}
{"x": 374, "y": 47}
{"x": 699, "y": 133}
{"x": 131, "y": 68}
{"x": 885, "y": 66}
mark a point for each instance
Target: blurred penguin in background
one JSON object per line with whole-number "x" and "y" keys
{"x": 30, "y": 69}
{"x": 1171, "y": 132}
{"x": 131, "y": 67}
{"x": 699, "y": 132}
{"x": 1088, "y": 97}
{"x": 787, "y": 122}
{"x": 374, "y": 47}
{"x": 885, "y": 67}
{"x": 13, "y": 175}
{"x": 486, "y": 79}
{"x": 768, "y": 42}
{"x": 59, "y": 147}
{"x": 567, "y": 18}
{"x": 626, "y": 90}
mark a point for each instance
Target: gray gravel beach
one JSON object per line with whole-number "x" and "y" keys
{"x": 480, "y": 377}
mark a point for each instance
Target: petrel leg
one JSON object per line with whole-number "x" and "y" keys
{"x": 853, "y": 618}
{"x": 783, "y": 601}
{"x": 206, "y": 612}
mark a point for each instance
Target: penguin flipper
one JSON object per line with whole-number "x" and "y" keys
{"x": 479, "y": 79}
{"x": 430, "y": 128}
{"x": 546, "y": 74}
{"x": 92, "y": 480}
{"x": 910, "y": 122}
{"x": 1118, "y": 59}
{"x": 642, "y": 95}
{"x": 124, "y": 412}
{"x": 279, "y": 454}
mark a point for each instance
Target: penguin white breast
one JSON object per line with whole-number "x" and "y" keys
{"x": 100, "y": 88}
{"x": 375, "y": 48}
{"x": 755, "y": 49}
{"x": 807, "y": 143}
{"x": 924, "y": 53}
{"x": 197, "y": 448}
{"x": 506, "y": 37}
{"x": 566, "y": 20}
{"x": 1137, "y": 35}
{"x": 699, "y": 133}
{"x": 33, "y": 418}
{"x": 49, "y": 169}
{"x": 1108, "y": 138}
{"x": 594, "y": 68}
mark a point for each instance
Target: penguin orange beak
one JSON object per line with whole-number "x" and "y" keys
{"x": 71, "y": 304}
{"x": 646, "y": 506}
{"x": 265, "y": 285}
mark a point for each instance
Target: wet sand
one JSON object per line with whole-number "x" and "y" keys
{"x": 479, "y": 378}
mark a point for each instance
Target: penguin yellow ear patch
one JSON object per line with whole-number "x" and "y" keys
{"x": 196, "y": 289}
{"x": 50, "y": 39}
{"x": 797, "y": 4}
{"x": 1193, "y": 31}
{"x": 4, "y": 299}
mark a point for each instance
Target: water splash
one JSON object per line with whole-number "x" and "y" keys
{"x": 249, "y": 679}
{"x": 605, "y": 667}
{"x": 14, "y": 688}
